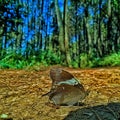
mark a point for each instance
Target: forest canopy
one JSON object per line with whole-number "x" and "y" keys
{"x": 74, "y": 33}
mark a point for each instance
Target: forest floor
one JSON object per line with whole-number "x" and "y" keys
{"x": 21, "y": 92}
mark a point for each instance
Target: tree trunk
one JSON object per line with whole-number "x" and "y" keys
{"x": 68, "y": 58}
{"x": 61, "y": 31}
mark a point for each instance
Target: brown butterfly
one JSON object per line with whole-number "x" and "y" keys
{"x": 65, "y": 88}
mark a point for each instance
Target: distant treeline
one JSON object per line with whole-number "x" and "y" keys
{"x": 78, "y": 33}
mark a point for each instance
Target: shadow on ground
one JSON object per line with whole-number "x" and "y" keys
{"x": 110, "y": 111}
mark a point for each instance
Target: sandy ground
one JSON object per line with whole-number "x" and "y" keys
{"x": 21, "y": 92}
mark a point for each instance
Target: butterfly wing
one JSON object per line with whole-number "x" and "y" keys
{"x": 60, "y": 76}
{"x": 65, "y": 88}
{"x": 67, "y": 94}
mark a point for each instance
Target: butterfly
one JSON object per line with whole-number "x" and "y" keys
{"x": 65, "y": 89}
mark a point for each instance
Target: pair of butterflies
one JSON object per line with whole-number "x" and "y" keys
{"x": 65, "y": 90}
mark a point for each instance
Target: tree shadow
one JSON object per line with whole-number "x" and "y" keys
{"x": 110, "y": 111}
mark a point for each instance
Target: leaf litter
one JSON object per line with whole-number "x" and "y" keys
{"x": 21, "y": 92}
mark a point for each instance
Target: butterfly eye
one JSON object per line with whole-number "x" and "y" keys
{"x": 76, "y": 82}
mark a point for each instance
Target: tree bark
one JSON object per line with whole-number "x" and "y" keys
{"x": 61, "y": 31}
{"x": 68, "y": 58}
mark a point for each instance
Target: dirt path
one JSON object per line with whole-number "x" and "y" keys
{"x": 20, "y": 92}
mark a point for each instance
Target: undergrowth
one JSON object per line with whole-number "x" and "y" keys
{"x": 13, "y": 60}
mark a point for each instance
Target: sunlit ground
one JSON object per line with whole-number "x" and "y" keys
{"x": 21, "y": 90}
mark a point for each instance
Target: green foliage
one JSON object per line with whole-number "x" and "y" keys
{"x": 116, "y": 3}
{"x": 3, "y": 116}
{"x": 49, "y": 57}
{"x": 74, "y": 64}
{"x": 110, "y": 60}
{"x": 17, "y": 61}
{"x": 83, "y": 60}
{"x": 46, "y": 58}
{"x": 12, "y": 60}
{"x": 86, "y": 61}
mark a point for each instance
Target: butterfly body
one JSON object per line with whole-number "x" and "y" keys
{"x": 65, "y": 88}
